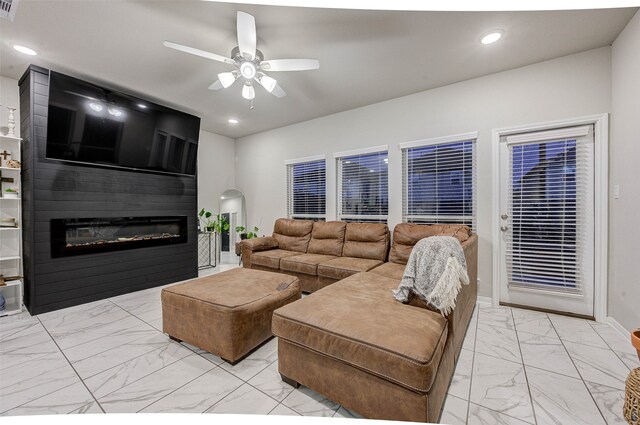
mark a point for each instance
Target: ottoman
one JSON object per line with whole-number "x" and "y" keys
{"x": 229, "y": 313}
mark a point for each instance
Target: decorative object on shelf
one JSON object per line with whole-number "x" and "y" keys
{"x": 12, "y": 163}
{"x": 5, "y": 279}
{"x": 247, "y": 235}
{"x": 10, "y": 222}
{"x": 11, "y": 122}
{"x": 3, "y": 157}
{"x": 632, "y": 398}
{"x": 11, "y": 193}
{"x": 208, "y": 223}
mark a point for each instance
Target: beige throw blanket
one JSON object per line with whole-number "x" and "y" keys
{"x": 435, "y": 272}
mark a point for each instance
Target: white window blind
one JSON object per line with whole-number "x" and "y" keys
{"x": 306, "y": 190}
{"x": 550, "y": 209}
{"x": 439, "y": 183}
{"x": 363, "y": 187}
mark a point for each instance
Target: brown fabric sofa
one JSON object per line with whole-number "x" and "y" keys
{"x": 355, "y": 344}
{"x": 318, "y": 253}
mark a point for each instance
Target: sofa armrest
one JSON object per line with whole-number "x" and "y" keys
{"x": 249, "y": 246}
{"x": 467, "y": 297}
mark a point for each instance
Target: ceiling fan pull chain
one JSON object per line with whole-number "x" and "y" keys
{"x": 251, "y": 103}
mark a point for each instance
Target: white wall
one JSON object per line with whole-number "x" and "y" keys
{"x": 624, "y": 249}
{"x": 570, "y": 86}
{"x": 216, "y": 169}
{"x": 9, "y": 96}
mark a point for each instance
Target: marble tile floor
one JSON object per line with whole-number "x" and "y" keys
{"x": 516, "y": 367}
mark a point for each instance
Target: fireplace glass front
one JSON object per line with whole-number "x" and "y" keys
{"x": 76, "y": 236}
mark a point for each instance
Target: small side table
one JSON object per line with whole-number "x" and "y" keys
{"x": 206, "y": 246}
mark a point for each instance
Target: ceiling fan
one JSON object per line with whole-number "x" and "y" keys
{"x": 249, "y": 62}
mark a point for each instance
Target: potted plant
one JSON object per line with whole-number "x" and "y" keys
{"x": 11, "y": 193}
{"x": 247, "y": 235}
{"x": 241, "y": 230}
{"x": 208, "y": 223}
{"x": 635, "y": 340}
{"x": 254, "y": 234}
{"x": 220, "y": 224}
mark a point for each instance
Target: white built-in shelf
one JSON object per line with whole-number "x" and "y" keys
{"x": 11, "y": 257}
{"x": 9, "y": 283}
{"x": 11, "y": 308}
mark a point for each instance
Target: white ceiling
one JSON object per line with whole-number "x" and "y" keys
{"x": 365, "y": 56}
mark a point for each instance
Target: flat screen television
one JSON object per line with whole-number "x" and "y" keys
{"x": 94, "y": 125}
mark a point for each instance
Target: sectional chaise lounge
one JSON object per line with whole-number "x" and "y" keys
{"x": 351, "y": 340}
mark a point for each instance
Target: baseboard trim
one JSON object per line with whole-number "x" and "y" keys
{"x": 618, "y": 327}
{"x": 484, "y": 300}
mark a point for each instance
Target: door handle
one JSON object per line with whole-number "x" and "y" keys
{"x": 504, "y": 228}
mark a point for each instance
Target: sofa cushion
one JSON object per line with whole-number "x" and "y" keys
{"x": 406, "y": 235}
{"x": 327, "y": 238}
{"x": 366, "y": 240}
{"x": 342, "y": 267}
{"x": 362, "y": 325}
{"x": 304, "y": 263}
{"x": 293, "y": 235}
{"x": 392, "y": 270}
{"x": 271, "y": 258}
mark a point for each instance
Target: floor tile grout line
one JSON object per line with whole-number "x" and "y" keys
{"x": 526, "y": 377}
{"x": 44, "y": 395}
{"x": 580, "y": 373}
{"x": 473, "y": 360}
{"x": 176, "y": 389}
{"x": 113, "y": 348}
{"x": 148, "y": 374}
{"x": 608, "y": 345}
{"x": 99, "y": 337}
{"x": 502, "y": 413}
{"x": 70, "y": 365}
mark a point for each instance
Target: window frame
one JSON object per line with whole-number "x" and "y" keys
{"x": 289, "y": 167}
{"x": 417, "y": 144}
{"x": 339, "y": 156}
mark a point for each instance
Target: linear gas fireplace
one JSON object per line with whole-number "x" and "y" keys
{"x": 77, "y": 236}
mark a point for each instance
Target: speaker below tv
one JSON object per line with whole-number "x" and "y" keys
{"x": 95, "y": 125}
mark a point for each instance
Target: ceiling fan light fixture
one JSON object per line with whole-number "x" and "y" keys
{"x": 248, "y": 92}
{"x": 248, "y": 70}
{"x": 268, "y": 83}
{"x": 227, "y": 78}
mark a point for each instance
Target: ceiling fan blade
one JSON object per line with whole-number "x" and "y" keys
{"x": 278, "y": 92}
{"x": 216, "y": 86}
{"x": 198, "y": 52}
{"x": 290, "y": 64}
{"x": 246, "y": 28}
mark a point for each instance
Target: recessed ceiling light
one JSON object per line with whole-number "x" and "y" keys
{"x": 25, "y": 50}
{"x": 492, "y": 37}
{"x": 95, "y": 106}
{"x": 114, "y": 111}
{"x": 140, "y": 105}
{"x": 233, "y": 121}
{"x": 222, "y": 197}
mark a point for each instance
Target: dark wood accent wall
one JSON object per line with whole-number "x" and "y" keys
{"x": 53, "y": 189}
